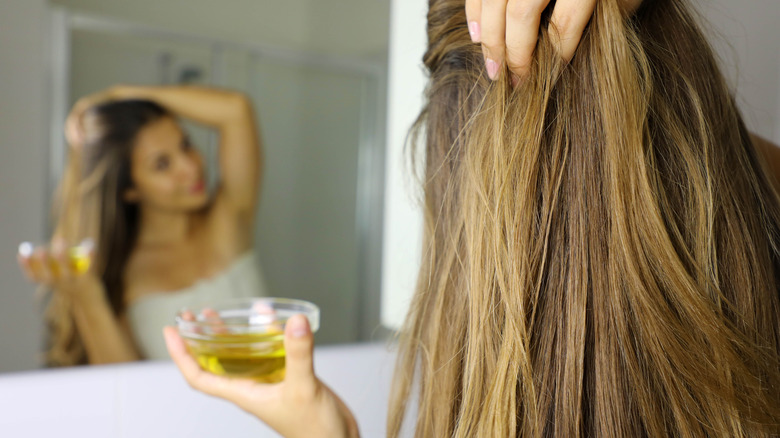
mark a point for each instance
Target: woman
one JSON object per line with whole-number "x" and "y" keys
{"x": 136, "y": 186}
{"x": 602, "y": 240}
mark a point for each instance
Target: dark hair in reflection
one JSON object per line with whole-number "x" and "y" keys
{"x": 602, "y": 243}
{"x": 91, "y": 204}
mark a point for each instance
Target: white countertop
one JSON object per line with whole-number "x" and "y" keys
{"x": 151, "y": 399}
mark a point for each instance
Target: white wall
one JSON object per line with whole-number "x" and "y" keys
{"x": 747, "y": 37}
{"x": 401, "y": 250}
{"x": 753, "y": 66}
{"x": 23, "y": 143}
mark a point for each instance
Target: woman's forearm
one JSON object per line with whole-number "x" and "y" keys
{"x": 209, "y": 106}
{"x": 102, "y": 334}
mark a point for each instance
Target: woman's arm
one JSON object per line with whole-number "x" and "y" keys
{"x": 105, "y": 339}
{"x": 229, "y": 112}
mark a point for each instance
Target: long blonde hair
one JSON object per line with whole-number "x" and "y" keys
{"x": 90, "y": 204}
{"x": 601, "y": 249}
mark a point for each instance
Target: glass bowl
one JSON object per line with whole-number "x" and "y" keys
{"x": 243, "y": 337}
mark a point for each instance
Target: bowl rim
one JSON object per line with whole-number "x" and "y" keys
{"x": 310, "y": 310}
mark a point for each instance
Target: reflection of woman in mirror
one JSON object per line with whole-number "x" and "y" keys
{"x": 602, "y": 241}
{"x": 135, "y": 185}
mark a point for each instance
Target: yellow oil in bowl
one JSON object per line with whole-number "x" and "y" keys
{"x": 242, "y": 337}
{"x": 79, "y": 259}
{"x": 260, "y": 357}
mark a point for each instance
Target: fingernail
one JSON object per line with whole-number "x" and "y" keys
{"x": 87, "y": 244}
{"x": 492, "y": 68}
{"x": 298, "y": 326}
{"x": 25, "y": 249}
{"x": 474, "y": 31}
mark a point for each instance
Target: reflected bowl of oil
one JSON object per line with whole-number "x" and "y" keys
{"x": 243, "y": 337}
{"x": 77, "y": 261}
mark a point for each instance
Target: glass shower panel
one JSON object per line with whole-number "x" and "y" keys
{"x": 306, "y": 231}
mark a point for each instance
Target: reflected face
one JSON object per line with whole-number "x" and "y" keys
{"x": 167, "y": 171}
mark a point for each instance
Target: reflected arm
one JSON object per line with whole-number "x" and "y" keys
{"x": 232, "y": 115}
{"x": 105, "y": 339}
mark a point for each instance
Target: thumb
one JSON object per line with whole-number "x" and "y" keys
{"x": 299, "y": 346}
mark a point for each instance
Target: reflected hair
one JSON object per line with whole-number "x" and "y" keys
{"x": 90, "y": 204}
{"x": 601, "y": 242}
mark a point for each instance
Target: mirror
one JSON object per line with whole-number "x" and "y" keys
{"x": 315, "y": 72}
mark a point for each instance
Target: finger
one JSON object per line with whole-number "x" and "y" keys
{"x": 264, "y": 309}
{"x": 473, "y": 19}
{"x": 187, "y": 315}
{"x": 70, "y": 131}
{"x": 58, "y": 262}
{"x": 493, "y": 25}
{"x": 214, "y": 320}
{"x": 522, "y": 31}
{"x": 75, "y": 124}
{"x": 24, "y": 263}
{"x": 73, "y": 131}
{"x": 195, "y": 376}
{"x": 568, "y": 21}
{"x": 299, "y": 345}
{"x": 39, "y": 262}
{"x": 211, "y": 315}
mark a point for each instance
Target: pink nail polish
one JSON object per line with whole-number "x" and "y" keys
{"x": 474, "y": 31}
{"x": 492, "y": 68}
{"x": 298, "y": 327}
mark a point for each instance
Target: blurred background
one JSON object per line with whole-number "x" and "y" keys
{"x": 336, "y": 85}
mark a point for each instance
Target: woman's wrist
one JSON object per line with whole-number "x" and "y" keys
{"x": 87, "y": 295}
